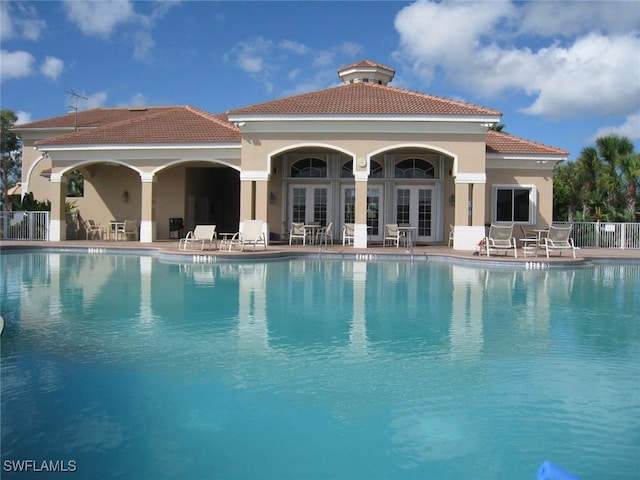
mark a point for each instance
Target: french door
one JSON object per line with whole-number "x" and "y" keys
{"x": 374, "y": 209}
{"x": 415, "y": 207}
{"x": 309, "y": 204}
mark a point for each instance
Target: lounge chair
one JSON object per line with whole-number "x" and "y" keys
{"x": 393, "y": 234}
{"x": 93, "y": 229}
{"x": 500, "y": 238}
{"x": 348, "y": 233}
{"x": 298, "y": 232}
{"x": 325, "y": 234}
{"x": 250, "y": 234}
{"x": 130, "y": 229}
{"x": 200, "y": 235}
{"x": 559, "y": 239}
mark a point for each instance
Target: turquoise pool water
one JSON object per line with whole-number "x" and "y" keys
{"x": 121, "y": 366}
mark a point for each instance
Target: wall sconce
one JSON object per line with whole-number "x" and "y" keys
{"x": 125, "y": 196}
{"x": 452, "y": 200}
{"x": 272, "y": 198}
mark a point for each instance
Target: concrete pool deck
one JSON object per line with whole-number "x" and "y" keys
{"x": 279, "y": 250}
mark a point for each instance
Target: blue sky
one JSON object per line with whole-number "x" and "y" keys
{"x": 562, "y": 73}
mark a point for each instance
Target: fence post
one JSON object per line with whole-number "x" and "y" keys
{"x": 622, "y": 236}
{"x": 597, "y": 233}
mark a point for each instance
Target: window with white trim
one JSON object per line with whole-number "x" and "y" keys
{"x": 514, "y": 204}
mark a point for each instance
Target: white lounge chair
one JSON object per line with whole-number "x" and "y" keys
{"x": 325, "y": 234}
{"x": 93, "y": 229}
{"x": 250, "y": 234}
{"x": 500, "y": 238}
{"x": 393, "y": 234}
{"x": 298, "y": 232}
{"x": 559, "y": 239}
{"x": 348, "y": 233}
{"x": 130, "y": 229}
{"x": 201, "y": 234}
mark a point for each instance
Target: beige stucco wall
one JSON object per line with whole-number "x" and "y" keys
{"x": 464, "y": 153}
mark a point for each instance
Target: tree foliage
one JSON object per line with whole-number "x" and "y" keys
{"x": 11, "y": 154}
{"x": 602, "y": 184}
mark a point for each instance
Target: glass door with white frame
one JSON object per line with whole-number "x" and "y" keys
{"x": 415, "y": 207}
{"x": 309, "y": 204}
{"x": 374, "y": 207}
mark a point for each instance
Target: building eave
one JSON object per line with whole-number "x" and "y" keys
{"x": 114, "y": 147}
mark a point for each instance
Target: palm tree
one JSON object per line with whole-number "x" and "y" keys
{"x": 630, "y": 169}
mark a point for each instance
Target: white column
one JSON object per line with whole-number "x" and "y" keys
{"x": 148, "y": 208}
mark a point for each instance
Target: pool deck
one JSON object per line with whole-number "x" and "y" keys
{"x": 279, "y": 250}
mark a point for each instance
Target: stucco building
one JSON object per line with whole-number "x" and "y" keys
{"x": 362, "y": 152}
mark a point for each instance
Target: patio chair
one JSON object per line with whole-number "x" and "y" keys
{"x": 298, "y": 231}
{"x": 559, "y": 239}
{"x": 93, "y": 229}
{"x": 393, "y": 234}
{"x": 130, "y": 229}
{"x": 325, "y": 234}
{"x": 250, "y": 234}
{"x": 197, "y": 237}
{"x": 500, "y": 238}
{"x": 451, "y": 231}
{"x": 348, "y": 233}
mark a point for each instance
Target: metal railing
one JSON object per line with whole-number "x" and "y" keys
{"x": 24, "y": 225}
{"x": 620, "y": 235}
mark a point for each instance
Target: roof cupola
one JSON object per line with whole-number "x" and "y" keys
{"x": 366, "y": 71}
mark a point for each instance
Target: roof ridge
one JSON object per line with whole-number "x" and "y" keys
{"x": 212, "y": 117}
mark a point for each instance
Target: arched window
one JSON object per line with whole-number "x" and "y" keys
{"x": 309, "y": 168}
{"x": 414, "y": 168}
{"x": 376, "y": 170}
{"x": 347, "y": 169}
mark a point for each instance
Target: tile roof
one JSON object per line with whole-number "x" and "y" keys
{"x": 365, "y": 99}
{"x": 366, "y": 64}
{"x": 96, "y": 117}
{"x": 171, "y": 125}
{"x": 504, "y": 144}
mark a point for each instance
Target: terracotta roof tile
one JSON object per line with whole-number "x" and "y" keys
{"x": 366, "y": 64}
{"x": 175, "y": 125}
{"x": 365, "y": 99}
{"x": 503, "y": 143}
{"x": 96, "y": 117}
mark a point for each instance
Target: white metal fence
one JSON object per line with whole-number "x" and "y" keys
{"x": 24, "y": 225}
{"x": 605, "y": 234}
{"x": 35, "y": 226}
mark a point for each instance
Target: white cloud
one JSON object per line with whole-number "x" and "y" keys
{"x": 23, "y": 117}
{"x": 138, "y": 99}
{"x": 19, "y": 20}
{"x": 99, "y": 18}
{"x": 16, "y": 64}
{"x": 143, "y": 44}
{"x": 548, "y": 18}
{"x": 52, "y": 67}
{"x": 630, "y": 129}
{"x": 94, "y": 100}
{"x": 481, "y": 47}
{"x": 293, "y": 47}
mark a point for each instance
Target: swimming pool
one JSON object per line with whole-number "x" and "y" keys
{"x": 140, "y": 367}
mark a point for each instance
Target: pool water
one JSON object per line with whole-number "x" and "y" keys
{"x": 141, "y": 367}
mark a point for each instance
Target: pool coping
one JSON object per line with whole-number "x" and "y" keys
{"x": 169, "y": 252}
